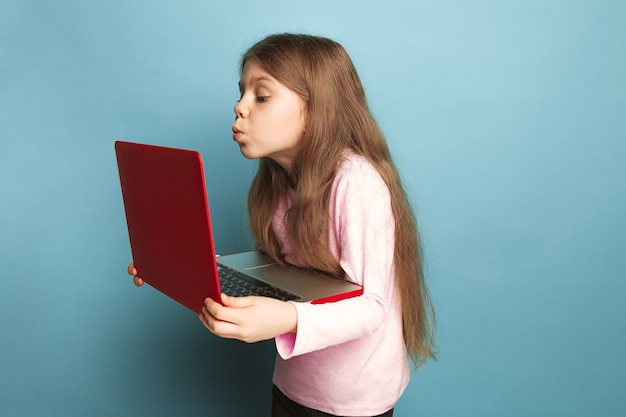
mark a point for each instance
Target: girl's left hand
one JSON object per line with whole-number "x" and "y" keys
{"x": 250, "y": 319}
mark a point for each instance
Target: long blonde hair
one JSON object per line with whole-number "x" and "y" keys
{"x": 338, "y": 118}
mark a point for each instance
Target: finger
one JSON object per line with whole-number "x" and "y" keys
{"x": 223, "y": 313}
{"x": 218, "y": 327}
{"x": 238, "y": 302}
{"x": 213, "y": 305}
{"x": 208, "y": 320}
{"x": 138, "y": 281}
{"x": 212, "y": 309}
{"x": 131, "y": 269}
{"x": 203, "y": 319}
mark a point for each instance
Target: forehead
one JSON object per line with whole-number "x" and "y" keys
{"x": 253, "y": 72}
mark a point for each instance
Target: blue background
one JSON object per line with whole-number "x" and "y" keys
{"x": 507, "y": 120}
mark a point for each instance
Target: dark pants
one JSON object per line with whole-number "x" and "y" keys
{"x": 285, "y": 407}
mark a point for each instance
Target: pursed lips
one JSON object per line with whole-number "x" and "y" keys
{"x": 237, "y": 134}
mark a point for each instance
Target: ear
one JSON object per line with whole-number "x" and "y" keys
{"x": 304, "y": 117}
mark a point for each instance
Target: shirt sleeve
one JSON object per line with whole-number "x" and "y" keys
{"x": 362, "y": 237}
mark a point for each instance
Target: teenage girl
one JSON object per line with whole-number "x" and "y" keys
{"x": 326, "y": 196}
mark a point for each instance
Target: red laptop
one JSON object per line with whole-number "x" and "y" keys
{"x": 169, "y": 228}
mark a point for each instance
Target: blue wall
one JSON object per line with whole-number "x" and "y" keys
{"x": 508, "y": 121}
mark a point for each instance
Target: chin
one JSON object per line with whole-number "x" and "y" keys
{"x": 247, "y": 154}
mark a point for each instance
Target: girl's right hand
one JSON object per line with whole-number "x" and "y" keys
{"x": 133, "y": 271}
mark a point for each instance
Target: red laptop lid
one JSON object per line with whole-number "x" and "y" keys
{"x": 160, "y": 184}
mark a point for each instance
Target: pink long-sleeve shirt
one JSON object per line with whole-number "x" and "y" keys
{"x": 349, "y": 357}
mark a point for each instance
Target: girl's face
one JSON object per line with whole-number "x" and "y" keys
{"x": 270, "y": 118}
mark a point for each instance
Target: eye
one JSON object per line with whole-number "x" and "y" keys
{"x": 262, "y": 99}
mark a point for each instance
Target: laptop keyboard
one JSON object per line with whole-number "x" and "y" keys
{"x": 236, "y": 284}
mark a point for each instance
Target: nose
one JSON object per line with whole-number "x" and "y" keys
{"x": 241, "y": 110}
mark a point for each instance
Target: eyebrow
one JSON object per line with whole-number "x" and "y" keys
{"x": 256, "y": 80}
